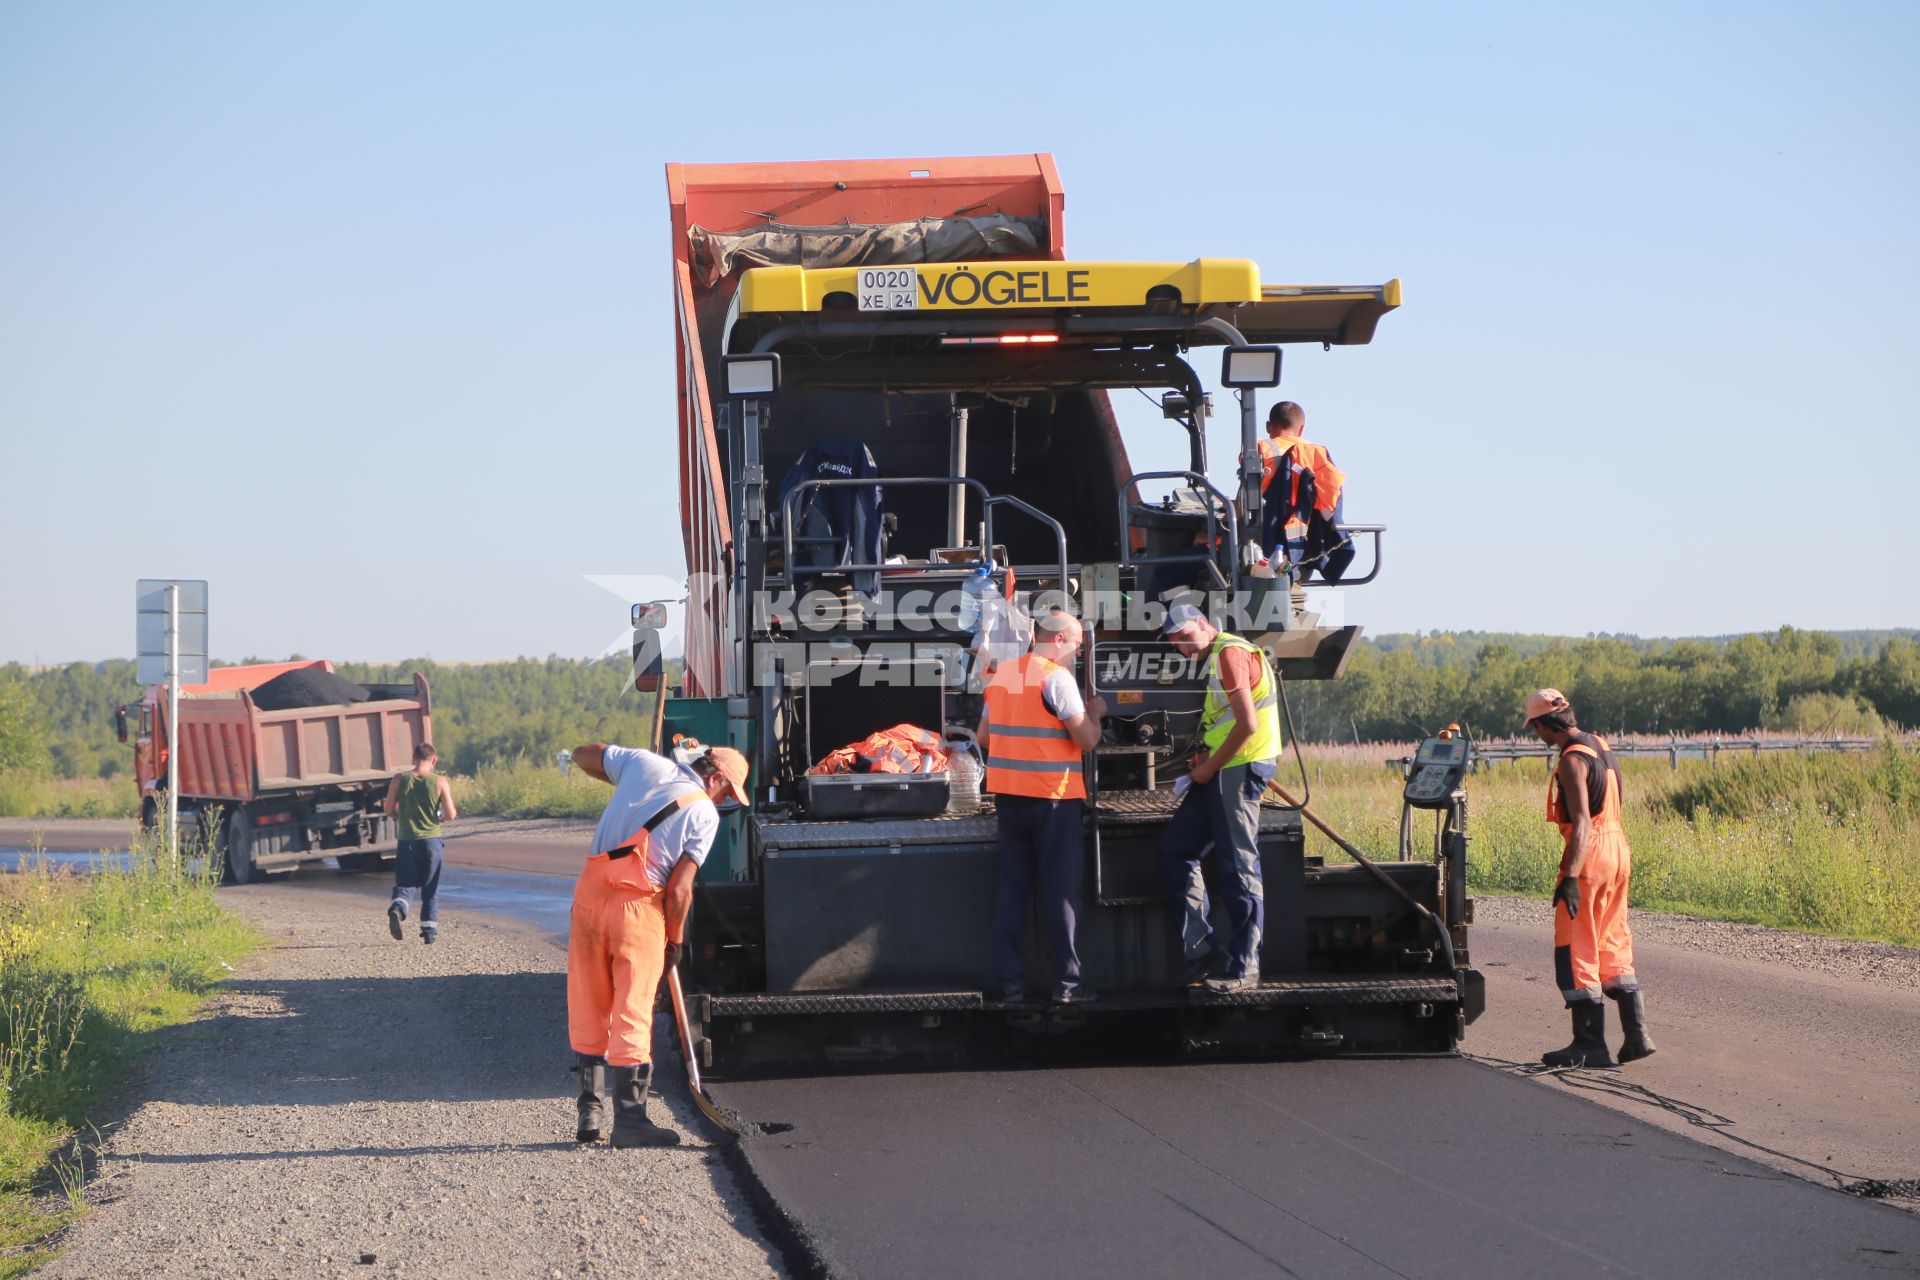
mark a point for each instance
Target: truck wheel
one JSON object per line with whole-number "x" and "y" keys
{"x": 361, "y": 861}
{"x": 236, "y": 849}
{"x": 149, "y": 813}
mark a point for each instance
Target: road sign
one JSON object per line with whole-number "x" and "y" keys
{"x": 170, "y": 630}
{"x": 150, "y": 629}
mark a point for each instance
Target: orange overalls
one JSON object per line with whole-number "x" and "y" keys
{"x": 616, "y": 949}
{"x": 1595, "y": 951}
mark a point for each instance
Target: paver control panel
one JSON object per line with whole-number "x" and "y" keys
{"x": 1439, "y": 767}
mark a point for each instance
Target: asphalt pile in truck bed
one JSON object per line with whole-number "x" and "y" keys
{"x": 310, "y": 687}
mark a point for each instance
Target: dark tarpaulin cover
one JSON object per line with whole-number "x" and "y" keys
{"x": 855, "y": 244}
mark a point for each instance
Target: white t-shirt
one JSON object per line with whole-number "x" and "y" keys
{"x": 644, "y": 784}
{"x": 1060, "y": 695}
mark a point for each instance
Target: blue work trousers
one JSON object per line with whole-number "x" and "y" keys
{"x": 1039, "y": 840}
{"x": 416, "y": 872}
{"x": 1212, "y": 844}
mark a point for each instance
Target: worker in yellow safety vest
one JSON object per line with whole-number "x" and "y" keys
{"x": 1035, "y": 732}
{"x": 1216, "y": 827}
{"x": 1303, "y": 492}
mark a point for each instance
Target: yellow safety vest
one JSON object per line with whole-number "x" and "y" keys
{"x": 1216, "y": 715}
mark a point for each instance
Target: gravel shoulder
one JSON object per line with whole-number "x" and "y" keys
{"x": 348, "y": 1096}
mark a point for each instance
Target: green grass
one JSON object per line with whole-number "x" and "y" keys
{"x": 91, "y": 967}
{"x": 1828, "y": 843}
{"x": 523, "y": 788}
{"x": 28, "y": 794}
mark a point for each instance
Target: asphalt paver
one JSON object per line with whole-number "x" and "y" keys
{"x": 1349, "y": 1168}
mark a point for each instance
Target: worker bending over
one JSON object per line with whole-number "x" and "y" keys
{"x": 1592, "y": 945}
{"x": 1303, "y": 491}
{"x": 629, "y": 919}
{"x": 1034, "y": 732}
{"x": 1213, "y": 837}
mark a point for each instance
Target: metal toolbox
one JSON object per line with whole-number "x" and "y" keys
{"x": 877, "y": 795}
{"x": 847, "y": 701}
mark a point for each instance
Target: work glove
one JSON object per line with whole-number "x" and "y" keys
{"x": 1568, "y": 891}
{"x": 673, "y": 955}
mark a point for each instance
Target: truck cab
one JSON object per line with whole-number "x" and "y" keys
{"x": 895, "y": 403}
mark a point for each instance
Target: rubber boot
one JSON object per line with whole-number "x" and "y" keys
{"x": 631, "y": 1128}
{"x": 1633, "y": 1020}
{"x": 1589, "y": 1047}
{"x": 591, "y": 1072}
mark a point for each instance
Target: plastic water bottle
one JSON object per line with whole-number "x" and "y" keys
{"x": 975, "y": 593}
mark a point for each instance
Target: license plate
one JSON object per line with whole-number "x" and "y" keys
{"x": 888, "y": 289}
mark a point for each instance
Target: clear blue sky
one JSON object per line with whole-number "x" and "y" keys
{"x": 361, "y": 310}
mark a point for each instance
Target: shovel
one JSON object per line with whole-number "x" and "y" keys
{"x": 713, "y": 1110}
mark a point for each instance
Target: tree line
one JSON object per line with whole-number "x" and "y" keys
{"x": 1788, "y": 680}
{"x": 59, "y": 720}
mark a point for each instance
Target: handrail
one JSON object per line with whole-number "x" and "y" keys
{"x": 988, "y": 500}
{"x": 890, "y": 482}
{"x": 1059, "y": 532}
{"x": 1350, "y": 530}
{"x": 1194, "y": 478}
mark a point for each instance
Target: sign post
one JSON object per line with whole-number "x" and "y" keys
{"x": 170, "y": 625}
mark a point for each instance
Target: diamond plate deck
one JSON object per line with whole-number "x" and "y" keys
{"x": 818, "y": 1002}
{"x": 1289, "y": 992}
{"x": 1115, "y": 809}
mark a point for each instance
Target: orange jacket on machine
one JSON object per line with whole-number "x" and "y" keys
{"x": 1593, "y": 953}
{"x": 1029, "y": 751}
{"x": 905, "y": 748}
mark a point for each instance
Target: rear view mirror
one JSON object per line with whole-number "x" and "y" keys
{"x": 120, "y": 723}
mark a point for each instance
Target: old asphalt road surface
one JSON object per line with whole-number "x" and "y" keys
{"x": 1420, "y": 1168}
{"x": 356, "y": 1106}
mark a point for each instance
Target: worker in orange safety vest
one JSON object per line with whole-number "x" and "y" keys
{"x": 629, "y": 919}
{"x": 1034, "y": 733}
{"x": 1303, "y": 492}
{"x": 1592, "y": 944}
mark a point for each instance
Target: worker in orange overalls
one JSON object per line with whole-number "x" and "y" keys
{"x": 1303, "y": 492}
{"x": 1592, "y": 945}
{"x": 629, "y": 919}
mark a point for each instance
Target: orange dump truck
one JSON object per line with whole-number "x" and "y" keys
{"x": 276, "y": 788}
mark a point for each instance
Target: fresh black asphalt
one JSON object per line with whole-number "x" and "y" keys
{"x": 1344, "y": 1168}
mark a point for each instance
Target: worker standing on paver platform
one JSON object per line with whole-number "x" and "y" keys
{"x": 1303, "y": 492}
{"x": 629, "y": 919}
{"x": 1035, "y": 730}
{"x": 419, "y": 800}
{"x": 1592, "y": 945}
{"x": 1214, "y": 834}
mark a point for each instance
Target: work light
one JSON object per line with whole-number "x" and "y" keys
{"x": 755, "y": 375}
{"x": 1250, "y": 367}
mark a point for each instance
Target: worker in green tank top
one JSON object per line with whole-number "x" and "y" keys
{"x": 419, "y": 800}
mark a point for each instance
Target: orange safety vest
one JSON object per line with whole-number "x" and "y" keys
{"x": 1603, "y": 799}
{"x": 905, "y": 748}
{"x": 1029, "y": 751}
{"x": 1301, "y": 456}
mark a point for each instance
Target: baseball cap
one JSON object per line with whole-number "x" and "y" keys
{"x": 1544, "y": 702}
{"x": 732, "y": 766}
{"x": 1179, "y": 616}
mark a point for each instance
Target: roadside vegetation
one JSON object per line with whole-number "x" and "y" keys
{"x": 92, "y": 965}
{"x": 523, "y": 788}
{"x": 1828, "y": 843}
